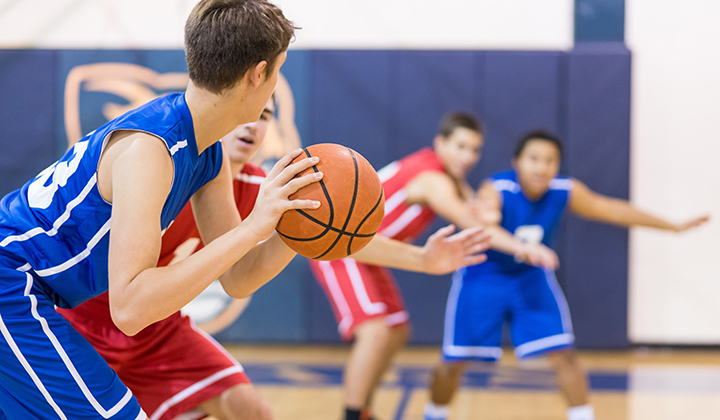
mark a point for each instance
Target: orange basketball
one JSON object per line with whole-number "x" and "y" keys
{"x": 351, "y": 210}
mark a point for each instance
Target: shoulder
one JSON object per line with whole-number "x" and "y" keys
{"x": 250, "y": 174}
{"x": 503, "y": 181}
{"x": 562, "y": 183}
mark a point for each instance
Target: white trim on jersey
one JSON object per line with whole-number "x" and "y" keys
{"x": 250, "y": 179}
{"x": 65, "y": 358}
{"x": 79, "y": 257}
{"x": 544, "y": 343}
{"x": 192, "y": 389}
{"x": 346, "y": 318}
{"x": 402, "y": 222}
{"x": 177, "y": 146}
{"x": 449, "y": 346}
{"x": 356, "y": 280}
{"x": 397, "y": 318}
{"x": 388, "y": 171}
{"x": 506, "y": 185}
{"x": 395, "y": 200}
{"x": 60, "y": 220}
{"x": 561, "y": 184}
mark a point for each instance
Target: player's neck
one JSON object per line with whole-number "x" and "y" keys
{"x": 236, "y": 168}
{"x": 214, "y": 115}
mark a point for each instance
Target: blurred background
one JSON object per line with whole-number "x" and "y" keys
{"x": 630, "y": 86}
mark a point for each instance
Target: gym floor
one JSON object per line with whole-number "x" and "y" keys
{"x": 305, "y": 382}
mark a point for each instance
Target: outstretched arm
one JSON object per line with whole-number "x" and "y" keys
{"x": 443, "y": 252}
{"x": 593, "y": 206}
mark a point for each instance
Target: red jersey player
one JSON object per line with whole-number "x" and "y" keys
{"x": 175, "y": 368}
{"x": 365, "y": 298}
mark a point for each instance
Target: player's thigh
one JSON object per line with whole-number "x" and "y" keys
{"x": 474, "y": 316}
{"x": 241, "y": 401}
{"x": 48, "y": 369}
{"x": 540, "y": 315}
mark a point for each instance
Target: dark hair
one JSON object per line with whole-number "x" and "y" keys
{"x": 537, "y": 135}
{"x": 453, "y": 120}
{"x": 225, "y": 38}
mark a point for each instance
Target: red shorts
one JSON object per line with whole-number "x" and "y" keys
{"x": 359, "y": 292}
{"x": 170, "y": 367}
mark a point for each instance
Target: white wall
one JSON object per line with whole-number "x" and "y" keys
{"x": 675, "y": 169}
{"x": 429, "y": 24}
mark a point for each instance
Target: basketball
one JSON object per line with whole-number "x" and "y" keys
{"x": 351, "y": 210}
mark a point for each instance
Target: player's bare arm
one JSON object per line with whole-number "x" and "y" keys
{"x": 443, "y": 195}
{"x": 141, "y": 177}
{"x": 489, "y": 211}
{"x": 593, "y": 206}
{"x": 442, "y": 253}
{"x": 259, "y": 264}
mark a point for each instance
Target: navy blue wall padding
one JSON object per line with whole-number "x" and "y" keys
{"x": 598, "y": 154}
{"x": 27, "y": 111}
{"x": 599, "y": 21}
{"x": 386, "y": 104}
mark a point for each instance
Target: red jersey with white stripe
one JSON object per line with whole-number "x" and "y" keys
{"x": 171, "y": 366}
{"x": 403, "y": 221}
{"x": 360, "y": 292}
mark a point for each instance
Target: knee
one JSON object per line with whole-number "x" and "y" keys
{"x": 243, "y": 402}
{"x": 264, "y": 410}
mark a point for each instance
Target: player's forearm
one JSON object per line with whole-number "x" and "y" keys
{"x": 622, "y": 213}
{"x": 502, "y": 240}
{"x": 158, "y": 292}
{"x": 260, "y": 265}
{"x": 386, "y": 252}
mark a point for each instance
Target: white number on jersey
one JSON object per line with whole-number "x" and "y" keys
{"x": 532, "y": 234}
{"x": 40, "y": 195}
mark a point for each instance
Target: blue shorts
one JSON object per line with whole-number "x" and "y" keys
{"x": 478, "y": 306}
{"x": 49, "y": 371}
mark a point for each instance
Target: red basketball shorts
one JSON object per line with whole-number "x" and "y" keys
{"x": 170, "y": 367}
{"x": 359, "y": 292}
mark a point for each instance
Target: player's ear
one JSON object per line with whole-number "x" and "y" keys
{"x": 438, "y": 141}
{"x": 257, "y": 73}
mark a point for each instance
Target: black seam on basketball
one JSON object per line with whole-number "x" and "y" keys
{"x": 328, "y": 227}
{"x": 349, "y": 248}
{"x": 350, "y": 210}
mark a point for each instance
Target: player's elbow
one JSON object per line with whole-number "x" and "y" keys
{"x": 125, "y": 320}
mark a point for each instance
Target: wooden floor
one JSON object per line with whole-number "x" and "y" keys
{"x": 304, "y": 383}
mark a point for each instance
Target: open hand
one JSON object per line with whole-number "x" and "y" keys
{"x": 680, "y": 227}
{"x": 444, "y": 253}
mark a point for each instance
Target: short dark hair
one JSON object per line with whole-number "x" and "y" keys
{"x": 225, "y": 38}
{"x": 453, "y": 120}
{"x": 537, "y": 135}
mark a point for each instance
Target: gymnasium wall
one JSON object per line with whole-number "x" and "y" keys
{"x": 518, "y": 63}
{"x": 385, "y": 104}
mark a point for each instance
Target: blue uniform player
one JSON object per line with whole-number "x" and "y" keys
{"x": 93, "y": 221}
{"x": 522, "y": 208}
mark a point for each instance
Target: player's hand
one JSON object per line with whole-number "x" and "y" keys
{"x": 538, "y": 255}
{"x": 272, "y": 200}
{"x": 444, "y": 253}
{"x": 681, "y": 227}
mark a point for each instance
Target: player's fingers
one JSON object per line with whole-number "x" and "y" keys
{"x": 303, "y": 204}
{"x": 295, "y": 168}
{"x": 283, "y": 162}
{"x": 474, "y": 259}
{"x": 443, "y": 232}
{"x": 295, "y": 184}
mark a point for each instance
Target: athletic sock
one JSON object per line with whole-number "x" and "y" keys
{"x": 352, "y": 414}
{"x": 581, "y": 412}
{"x": 436, "y": 412}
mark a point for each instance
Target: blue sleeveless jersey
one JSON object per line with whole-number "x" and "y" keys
{"x": 56, "y": 226}
{"x": 530, "y": 221}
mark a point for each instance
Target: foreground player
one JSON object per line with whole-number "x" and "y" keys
{"x": 365, "y": 298}
{"x": 136, "y": 173}
{"x": 172, "y": 367}
{"x": 523, "y": 207}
